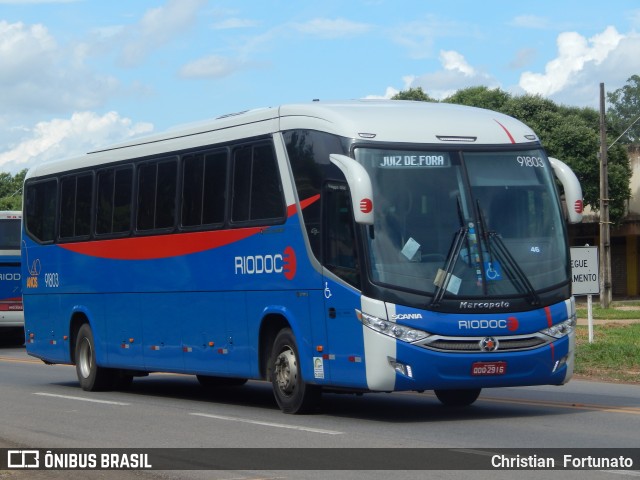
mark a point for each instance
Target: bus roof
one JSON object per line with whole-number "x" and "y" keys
{"x": 370, "y": 120}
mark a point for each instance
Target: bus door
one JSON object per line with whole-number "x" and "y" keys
{"x": 344, "y": 358}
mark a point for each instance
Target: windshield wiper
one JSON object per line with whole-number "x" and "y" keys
{"x": 509, "y": 264}
{"x": 452, "y": 257}
{"x": 461, "y": 237}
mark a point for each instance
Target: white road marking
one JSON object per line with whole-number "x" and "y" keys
{"x": 268, "y": 424}
{"x": 83, "y": 399}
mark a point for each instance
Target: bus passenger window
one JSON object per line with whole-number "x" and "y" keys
{"x": 215, "y": 188}
{"x": 40, "y": 209}
{"x": 257, "y": 192}
{"x": 75, "y": 206}
{"x": 157, "y": 195}
{"x": 113, "y": 207}
{"x": 204, "y": 189}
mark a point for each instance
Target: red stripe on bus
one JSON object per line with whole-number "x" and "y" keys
{"x": 160, "y": 246}
{"x": 547, "y": 312}
{"x": 166, "y": 246}
{"x": 303, "y": 204}
{"x": 513, "y": 140}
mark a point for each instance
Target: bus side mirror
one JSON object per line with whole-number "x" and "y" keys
{"x": 572, "y": 189}
{"x": 360, "y": 186}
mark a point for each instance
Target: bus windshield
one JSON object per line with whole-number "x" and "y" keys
{"x": 10, "y": 233}
{"x": 465, "y": 224}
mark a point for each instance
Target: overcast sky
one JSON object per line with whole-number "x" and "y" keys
{"x": 80, "y": 74}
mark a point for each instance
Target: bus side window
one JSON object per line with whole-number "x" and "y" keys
{"x": 113, "y": 204}
{"x": 40, "y": 206}
{"x": 157, "y": 189}
{"x": 204, "y": 189}
{"x": 257, "y": 192}
{"x": 75, "y": 205}
{"x": 341, "y": 253}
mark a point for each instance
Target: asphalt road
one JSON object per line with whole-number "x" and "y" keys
{"x": 43, "y": 407}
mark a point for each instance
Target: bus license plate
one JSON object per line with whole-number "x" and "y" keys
{"x": 488, "y": 368}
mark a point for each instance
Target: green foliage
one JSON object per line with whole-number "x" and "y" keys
{"x": 416, "y": 94}
{"x": 532, "y": 107}
{"x": 481, "y": 97}
{"x": 11, "y": 190}
{"x": 624, "y": 110}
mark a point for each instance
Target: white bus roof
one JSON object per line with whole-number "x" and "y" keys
{"x": 371, "y": 120}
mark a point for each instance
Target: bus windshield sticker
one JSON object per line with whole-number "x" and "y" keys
{"x": 411, "y": 250}
{"x": 493, "y": 270}
{"x": 399, "y": 160}
{"x": 451, "y": 284}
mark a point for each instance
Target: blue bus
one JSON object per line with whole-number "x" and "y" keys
{"x": 11, "y": 314}
{"x": 359, "y": 246}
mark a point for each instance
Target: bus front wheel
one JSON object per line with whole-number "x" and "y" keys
{"x": 458, "y": 398}
{"x": 292, "y": 393}
{"x": 91, "y": 376}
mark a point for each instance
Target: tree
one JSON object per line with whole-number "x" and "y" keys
{"x": 416, "y": 94}
{"x": 482, "y": 97}
{"x": 624, "y": 110}
{"x": 537, "y": 112}
{"x": 11, "y": 190}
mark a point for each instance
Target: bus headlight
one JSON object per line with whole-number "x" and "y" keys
{"x": 391, "y": 329}
{"x": 561, "y": 329}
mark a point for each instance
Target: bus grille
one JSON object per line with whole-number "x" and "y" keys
{"x": 472, "y": 344}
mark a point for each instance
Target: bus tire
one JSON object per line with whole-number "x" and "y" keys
{"x": 210, "y": 382}
{"x": 458, "y": 398}
{"x": 292, "y": 393}
{"x": 90, "y": 375}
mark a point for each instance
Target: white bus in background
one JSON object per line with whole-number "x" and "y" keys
{"x": 11, "y": 312}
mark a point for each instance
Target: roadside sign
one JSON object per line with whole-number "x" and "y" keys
{"x": 584, "y": 271}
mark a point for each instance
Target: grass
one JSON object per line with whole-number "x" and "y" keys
{"x": 627, "y": 312}
{"x": 614, "y": 354}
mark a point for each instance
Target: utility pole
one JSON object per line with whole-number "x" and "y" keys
{"x": 605, "y": 238}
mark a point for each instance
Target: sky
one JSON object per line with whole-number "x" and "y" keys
{"x": 77, "y": 75}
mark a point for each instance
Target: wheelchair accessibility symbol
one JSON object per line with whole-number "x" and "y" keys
{"x": 492, "y": 270}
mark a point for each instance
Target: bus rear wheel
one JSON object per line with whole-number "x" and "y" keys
{"x": 292, "y": 393}
{"x": 90, "y": 375}
{"x": 458, "y": 398}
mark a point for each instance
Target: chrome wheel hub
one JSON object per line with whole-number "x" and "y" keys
{"x": 286, "y": 371}
{"x": 84, "y": 358}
